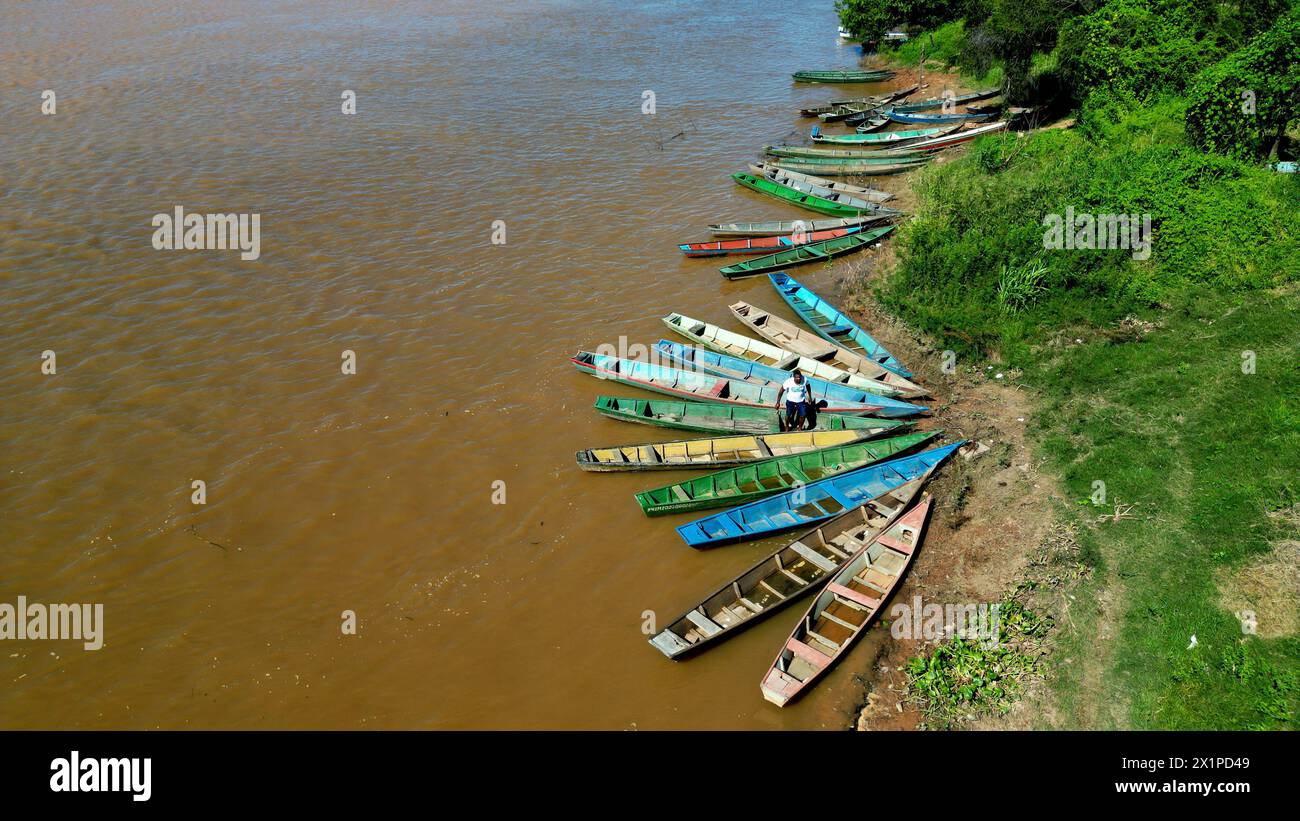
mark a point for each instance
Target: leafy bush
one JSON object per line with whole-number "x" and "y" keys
{"x": 1243, "y": 104}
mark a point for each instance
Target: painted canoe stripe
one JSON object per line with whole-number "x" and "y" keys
{"x": 853, "y": 595}
{"x": 814, "y": 657}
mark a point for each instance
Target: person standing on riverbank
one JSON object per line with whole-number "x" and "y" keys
{"x": 795, "y": 391}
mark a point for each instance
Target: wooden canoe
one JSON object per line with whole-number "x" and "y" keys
{"x": 802, "y": 152}
{"x": 867, "y": 121}
{"x": 935, "y": 143}
{"x": 762, "y": 245}
{"x": 785, "y": 576}
{"x": 813, "y": 504}
{"x": 733, "y": 367}
{"x": 710, "y": 417}
{"x": 888, "y": 139}
{"x": 785, "y": 227}
{"x": 749, "y": 483}
{"x": 817, "y": 111}
{"x": 942, "y": 119}
{"x": 804, "y": 254}
{"x": 840, "y": 206}
{"x": 832, "y": 193}
{"x": 847, "y": 109}
{"x": 711, "y": 454}
{"x": 848, "y": 168}
{"x": 881, "y": 99}
{"x": 847, "y": 605}
{"x": 843, "y": 76}
{"x": 740, "y": 346}
{"x": 791, "y": 179}
{"x": 698, "y": 386}
{"x": 832, "y": 325}
{"x": 940, "y": 102}
{"x": 790, "y": 337}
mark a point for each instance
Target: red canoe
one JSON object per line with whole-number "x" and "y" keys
{"x": 760, "y": 245}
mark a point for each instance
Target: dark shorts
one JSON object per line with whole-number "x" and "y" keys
{"x": 796, "y": 410}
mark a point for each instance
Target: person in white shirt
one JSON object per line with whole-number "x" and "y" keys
{"x": 798, "y": 400}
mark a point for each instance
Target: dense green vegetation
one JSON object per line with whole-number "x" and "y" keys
{"x": 1180, "y": 106}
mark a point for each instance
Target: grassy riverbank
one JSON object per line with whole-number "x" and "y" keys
{"x": 1167, "y": 385}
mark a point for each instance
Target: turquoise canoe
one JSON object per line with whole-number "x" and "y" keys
{"x": 732, "y": 367}
{"x": 832, "y": 325}
{"x": 812, "y": 503}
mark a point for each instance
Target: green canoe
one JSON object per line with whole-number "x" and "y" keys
{"x": 856, "y": 76}
{"x": 846, "y": 168}
{"x": 883, "y": 139}
{"x": 842, "y": 206}
{"x": 815, "y": 154}
{"x": 748, "y": 483}
{"x": 709, "y": 417}
{"x": 799, "y": 255}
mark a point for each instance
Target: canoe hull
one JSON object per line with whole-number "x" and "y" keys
{"x": 803, "y": 254}
{"x": 833, "y": 325}
{"x": 710, "y": 417}
{"x": 846, "y": 607}
{"x": 763, "y": 477}
{"x": 817, "y": 501}
{"x": 712, "y": 454}
{"x": 758, "y": 598}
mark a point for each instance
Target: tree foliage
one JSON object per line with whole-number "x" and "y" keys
{"x": 1242, "y": 105}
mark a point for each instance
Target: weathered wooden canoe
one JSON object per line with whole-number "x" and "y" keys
{"x": 783, "y": 577}
{"x": 711, "y": 417}
{"x": 844, "y": 110}
{"x": 867, "y": 121}
{"x": 944, "y": 119}
{"x": 889, "y": 139}
{"x": 841, "y": 206}
{"x": 743, "y": 347}
{"x": 847, "y": 605}
{"x": 940, "y": 102}
{"x": 789, "y": 336}
{"x": 732, "y": 367}
{"x": 802, "y": 152}
{"x": 749, "y": 483}
{"x": 791, "y": 179}
{"x": 832, "y": 193}
{"x": 843, "y": 76}
{"x": 804, "y": 254}
{"x": 991, "y": 107}
{"x": 832, "y": 325}
{"x": 817, "y": 111}
{"x": 762, "y": 245}
{"x": 698, "y": 386}
{"x": 786, "y": 227}
{"x": 814, "y": 503}
{"x": 714, "y": 453}
{"x": 846, "y": 168}
{"x": 935, "y": 143}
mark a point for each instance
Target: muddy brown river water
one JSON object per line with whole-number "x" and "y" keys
{"x": 372, "y": 492}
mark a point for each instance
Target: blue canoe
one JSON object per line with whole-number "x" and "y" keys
{"x": 936, "y": 119}
{"x": 820, "y": 501}
{"x": 733, "y": 367}
{"x": 833, "y": 326}
{"x": 702, "y": 387}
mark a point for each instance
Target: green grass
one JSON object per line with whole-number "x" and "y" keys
{"x": 1204, "y": 454}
